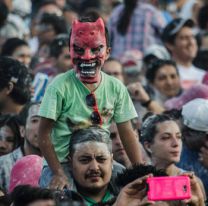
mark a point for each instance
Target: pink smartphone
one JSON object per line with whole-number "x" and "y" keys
{"x": 168, "y": 188}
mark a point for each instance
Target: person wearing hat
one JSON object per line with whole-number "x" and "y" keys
{"x": 178, "y": 37}
{"x": 195, "y": 144}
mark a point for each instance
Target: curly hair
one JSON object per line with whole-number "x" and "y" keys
{"x": 23, "y": 195}
{"x": 13, "y": 71}
{"x": 136, "y": 171}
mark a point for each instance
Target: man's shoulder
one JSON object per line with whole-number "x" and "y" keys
{"x": 63, "y": 78}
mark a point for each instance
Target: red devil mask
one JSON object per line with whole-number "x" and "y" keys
{"x": 88, "y": 49}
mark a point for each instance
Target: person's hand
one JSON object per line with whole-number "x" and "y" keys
{"x": 138, "y": 92}
{"x": 134, "y": 194}
{"x": 197, "y": 197}
{"x": 59, "y": 182}
{"x": 203, "y": 155}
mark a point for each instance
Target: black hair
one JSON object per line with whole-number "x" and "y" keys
{"x": 22, "y": 195}
{"x": 94, "y": 134}
{"x": 153, "y": 67}
{"x": 11, "y": 121}
{"x": 58, "y": 23}
{"x": 149, "y": 126}
{"x": 175, "y": 114}
{"x": 203, "y": 17}
{"x": 93, "y": 18}
{"x": 11, "y": 44}
{"x": 124, "y": 20}
{"x": 46, "y": 2}
{"x": 136, "y": 171}
{"x": 4, "y": 11}
{"x": 22, "y": 116}
{"x": 13, "y": 71}
{"x": 193, "y": 139}
{"x": 5, "y": 200}
{"x": 68, "y": 198}
{"x": 57, "y": 45}
{"x": 89, "y": 4}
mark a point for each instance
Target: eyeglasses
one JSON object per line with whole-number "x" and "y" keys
{"x": 91, "y": 102}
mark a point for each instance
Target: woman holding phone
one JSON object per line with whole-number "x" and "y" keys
{"x": 162, "y": 139}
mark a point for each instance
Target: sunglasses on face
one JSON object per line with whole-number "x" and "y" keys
{"x": 91, "y": 102}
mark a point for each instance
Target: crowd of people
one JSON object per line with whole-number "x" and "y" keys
{"x": 99, "y": 96}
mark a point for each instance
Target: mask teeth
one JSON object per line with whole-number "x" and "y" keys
{"x": 88, "y": 72}
{"x": 88, "y": 64}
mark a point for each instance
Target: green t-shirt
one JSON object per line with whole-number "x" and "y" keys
{"x": 91, "y": 202}
{"x": 65, "y": 103}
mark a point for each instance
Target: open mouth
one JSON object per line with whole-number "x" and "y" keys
{"x": 87, "y": 69}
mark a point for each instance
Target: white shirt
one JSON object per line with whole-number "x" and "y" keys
{"x": 190, "y": 75}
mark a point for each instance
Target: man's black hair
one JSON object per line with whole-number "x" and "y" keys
{"x": 11, "y": 44}
{"x": 137, "y": 171}
{"x": 57, "y": 45}
{"x": 13, "y": 71}
{"x": 153, "y": 67}
{"x": 22, "y": 195}
{"x": 203, "y": 17}
{"x": 57, "y": 22}
{"x": 4, "y": 11}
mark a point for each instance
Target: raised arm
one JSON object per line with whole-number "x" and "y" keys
{"x": 130, "y": 142}
{"x": 59, "y": 180}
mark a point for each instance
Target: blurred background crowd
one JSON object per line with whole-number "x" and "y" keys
{"x": 159, "y": 50}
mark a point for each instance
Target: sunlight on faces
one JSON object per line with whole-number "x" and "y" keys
{"x": 167, "y": 144}
{"x": 92, "y": 165}
{"x": 6, "y": 140}
{"x": 32, "y": 125}
{"x": 167, "y": 81}
{"x": 88, "y": 49}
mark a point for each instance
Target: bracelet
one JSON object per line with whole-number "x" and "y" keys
{"x": 147, "y": 103}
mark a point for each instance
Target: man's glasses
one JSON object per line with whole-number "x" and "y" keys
{"x": 91, "y": 102}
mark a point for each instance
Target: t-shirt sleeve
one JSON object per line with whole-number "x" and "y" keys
{"x": 124, "y": 108}
{"x": 51, "y": 105}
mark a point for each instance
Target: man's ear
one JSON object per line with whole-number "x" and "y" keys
{"x": 147, "y": 147}
{"x": 9, "y": 88}
{"x": 112, "y": 157}
{"x": 108, "y": 51}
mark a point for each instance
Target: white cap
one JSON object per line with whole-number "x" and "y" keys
{"x": 195, "y": 114}
{"x": 158, "y": 51}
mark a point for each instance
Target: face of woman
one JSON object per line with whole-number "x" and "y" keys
{"x": 167, "y": 144}
{"x": 167, "y": 81}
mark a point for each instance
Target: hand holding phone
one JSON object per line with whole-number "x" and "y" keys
{"x": 169, "y": 188}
